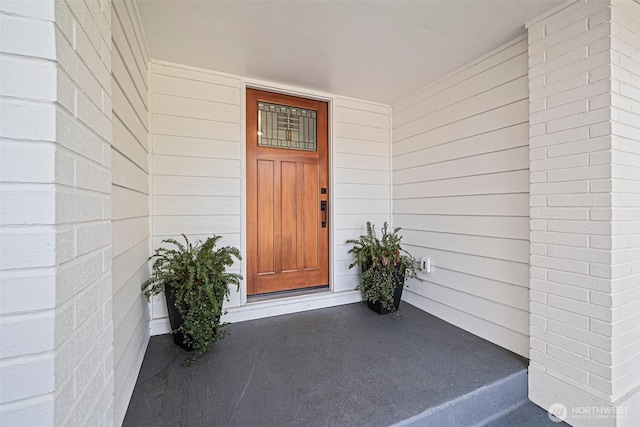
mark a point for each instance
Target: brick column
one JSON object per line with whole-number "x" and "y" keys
{"x": 584, "y": 84}
{"x": 56, "y": 345}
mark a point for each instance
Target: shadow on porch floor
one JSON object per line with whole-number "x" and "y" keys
{"x": 340, "y": 366}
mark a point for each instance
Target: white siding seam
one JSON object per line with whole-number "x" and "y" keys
{"x": 502, "y": 282}
{"x": 195, "y": 118}
{"x": 503, "y": 325}
{"x": 410, "y": 245}
{"x": 363, "y": 125}
{"x": 130, "y": 131}
{"x": 196, "y": 157}
{"x": 461, "y": 101}
{"x": 465, "y": 118}
{"x": 139, "y": 33}
{"x": 462, "y": 176}
{"x": 451, "y": 196}
{"x": 460, "y": 70}
{"x": 192, "y": 79}
{"x": 130, "y": 45}
{"x": 457, "y": 139}
{"x": 139, "y": 29}
{"x": 362, "y": 102}
{"x": 127, "y": 96}
{"x": 134, "y": 163}
{"x": 192, "y": 68}
{"x": 462, "y": 157}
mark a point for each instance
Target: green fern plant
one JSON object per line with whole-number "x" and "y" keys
{"x": 383, "y": 263}
{"x": 197, "y": 277}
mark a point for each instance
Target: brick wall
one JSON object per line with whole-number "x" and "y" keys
{"x": 56, "y": 344}
{"x": 27, "y": 223}
{"x": 624, "y": 242}
{"x": 585, "y": 328}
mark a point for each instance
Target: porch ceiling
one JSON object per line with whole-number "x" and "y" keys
{"x": 374, "y": 50}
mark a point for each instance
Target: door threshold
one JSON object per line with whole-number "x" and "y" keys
{"x": 287, "y": 294}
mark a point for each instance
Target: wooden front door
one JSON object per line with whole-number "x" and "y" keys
{"x": 287, "y": 193}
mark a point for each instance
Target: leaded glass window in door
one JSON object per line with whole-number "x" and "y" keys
{"x": 282, "y": 126}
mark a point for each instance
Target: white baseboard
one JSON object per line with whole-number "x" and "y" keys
{"x": 159, "y": 326}
{"x": 276, "y": 307}
{"x": 262, "y": 309}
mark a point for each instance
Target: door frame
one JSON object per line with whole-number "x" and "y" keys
{"x": 292, "y": 91}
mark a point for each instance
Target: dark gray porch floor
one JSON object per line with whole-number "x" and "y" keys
{"x": 340, "y": 366}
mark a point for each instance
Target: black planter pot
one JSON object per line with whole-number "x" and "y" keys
{"x": 398, "y": 281}
{"x": 175, "y": 319}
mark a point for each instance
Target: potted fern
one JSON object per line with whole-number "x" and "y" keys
{"x": 194, "y": 279}
{"x": 385, "y": 267}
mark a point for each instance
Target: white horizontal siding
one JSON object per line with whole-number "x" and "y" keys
{"x": 197, "y": 176}
{"x": 461, "y": 194}
{"x": 512, "y": 182}
{"x": 187, "y": 88}
{"x": 229, "y": 239}
{"x": 196, "y": 160}
{"x": 170, "y": 105}
{"x": 195, "y": 147}
{"x": 195, "y": 205}
{"x": 195, "y": 186}
{"x": 129, "y": 201}
{"x": 361, "y": 178}
{"x": 468, "y": 81}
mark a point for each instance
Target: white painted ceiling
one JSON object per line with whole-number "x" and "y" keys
{"x": 374, "y": 50}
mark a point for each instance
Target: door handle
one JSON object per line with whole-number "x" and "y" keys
{"x": 323, "y": 208}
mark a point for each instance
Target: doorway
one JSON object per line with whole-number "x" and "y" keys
{"x": 287, "y": 193}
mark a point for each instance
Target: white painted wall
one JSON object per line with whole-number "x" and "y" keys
{"x": 56, "y": 355}
{"x": 625, "y": 210}
{"x": 27, "y": 216}
{"x": 129, "y": 200}
{"x": 195, "y": 161}
{"x": 585, "y": 197}
{"x": 362, "y": 181}
{"x": 198, "y": 175}
{"x": 460, "y": 194}
{"x": 73, "y": 328}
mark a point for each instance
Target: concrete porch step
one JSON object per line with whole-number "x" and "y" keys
{"x": 340, "y": 366}
{"x": 526, "y": 415}
{"x": 478, "y": 407}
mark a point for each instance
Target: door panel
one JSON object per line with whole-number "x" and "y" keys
{"x": 310, "y": 214}
{"x": 266, "y": 216}
{"x": 289, "y": 216}
{"x": 287, "y": 245}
